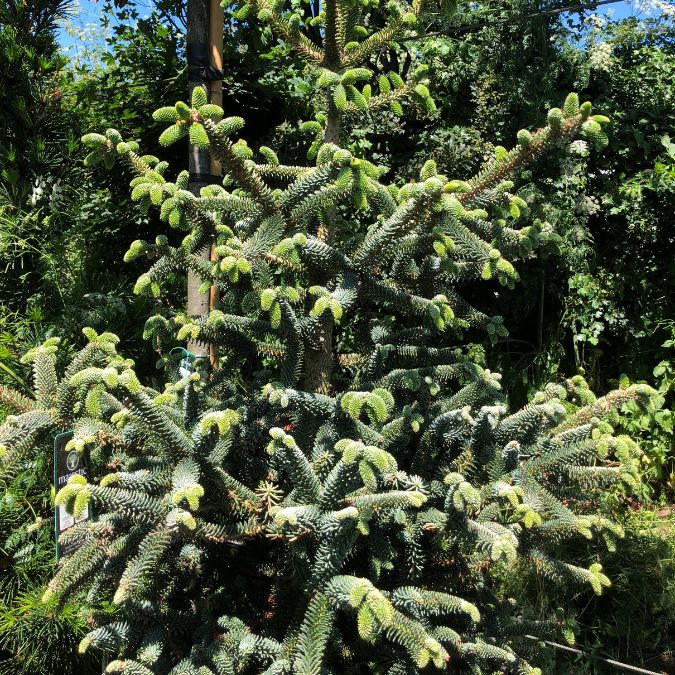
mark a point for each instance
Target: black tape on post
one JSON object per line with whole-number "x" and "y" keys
{"x": 199, "y": 64}
{"x": 205, "y": 178}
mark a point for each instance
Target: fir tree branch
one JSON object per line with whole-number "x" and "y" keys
{"x": 246, "y": 176}
{"x": 290, "y": 32}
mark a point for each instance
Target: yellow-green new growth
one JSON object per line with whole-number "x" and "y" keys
{"x": 187, "y": 121}
{"x": 223, "y": 420}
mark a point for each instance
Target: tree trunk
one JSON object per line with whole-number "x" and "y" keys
{"x": 319, "y": 361}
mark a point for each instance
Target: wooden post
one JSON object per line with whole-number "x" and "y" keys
{"x": 216, "y": 23}
{"x": 204, "y": 49}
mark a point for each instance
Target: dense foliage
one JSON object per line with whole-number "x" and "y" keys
{"x": 610, "y": 208}
{"x": 326, "y": 468}
{"x": 574, "y": 306}
{"x": 61, "y": 227}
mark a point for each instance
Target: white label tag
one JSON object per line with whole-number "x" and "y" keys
{"x": 65, "y": 519}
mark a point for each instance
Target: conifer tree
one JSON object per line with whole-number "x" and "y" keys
{"x": 339, "y": 493}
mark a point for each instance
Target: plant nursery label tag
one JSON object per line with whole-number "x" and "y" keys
{"x": 185, "y": 367}
{"x": 67, "y": 463}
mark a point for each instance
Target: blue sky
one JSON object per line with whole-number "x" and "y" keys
{"x": 620, "y": 10}
{"x": 87, "y": 14}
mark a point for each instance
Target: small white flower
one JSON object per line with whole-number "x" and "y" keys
{"x": 600, "y": 56}
{"x": 588, "y": 206}
{"x": 579, "y": 148}
{"x": 654, "y": 7}
{"x": 596, "y": 21}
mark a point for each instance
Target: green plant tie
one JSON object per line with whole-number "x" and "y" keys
{"x": 186, "y": 365}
